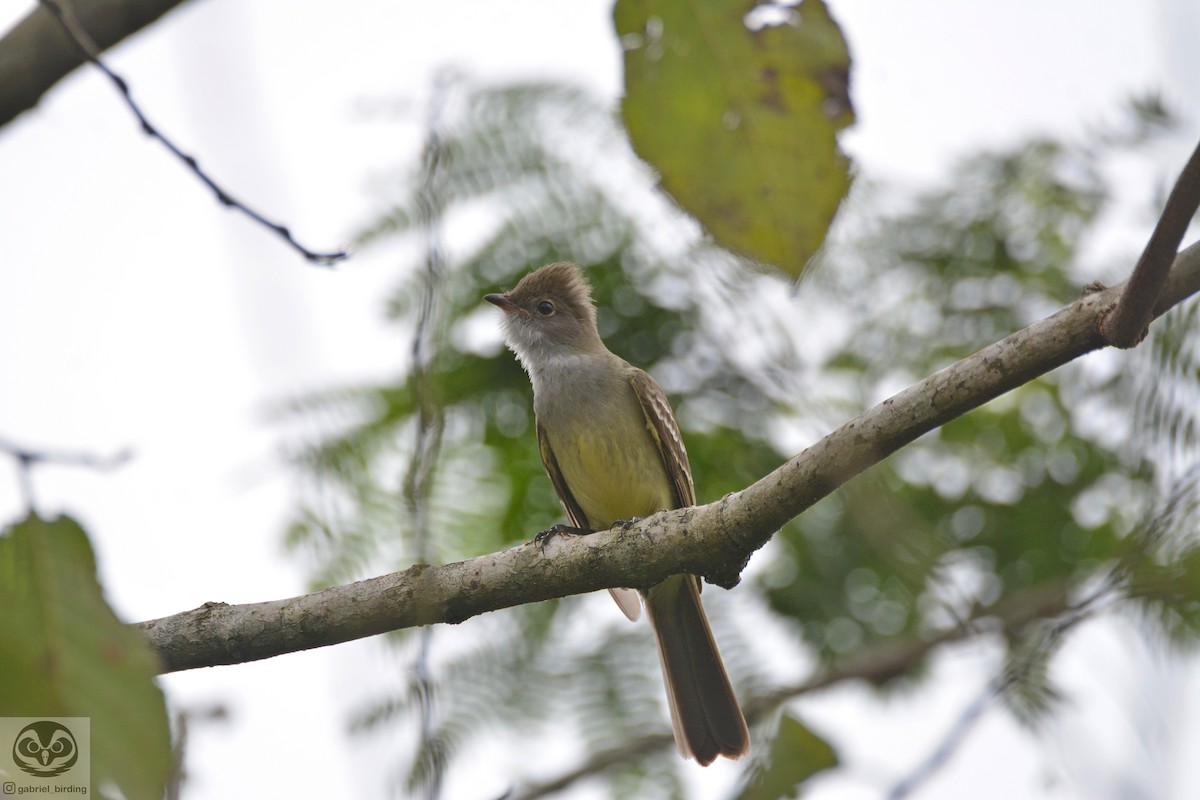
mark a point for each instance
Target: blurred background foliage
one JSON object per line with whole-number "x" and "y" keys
{"x": 1076, "y": 487}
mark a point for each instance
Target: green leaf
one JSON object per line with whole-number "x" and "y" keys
{"x": 796, "y": 755}
{"x": 64, "y": 653}
{"x": 741, "y": 124}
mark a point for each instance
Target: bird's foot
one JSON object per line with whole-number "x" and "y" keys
{"x": 542, "y": 537}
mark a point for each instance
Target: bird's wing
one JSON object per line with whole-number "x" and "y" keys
{"x": 574, "y": 512}
{"x": 662, "y": 426}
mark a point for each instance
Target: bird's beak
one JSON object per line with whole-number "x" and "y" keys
{"x": 506, "y": 305}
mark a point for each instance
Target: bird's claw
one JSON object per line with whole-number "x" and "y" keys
{"x": 542, "y": 537}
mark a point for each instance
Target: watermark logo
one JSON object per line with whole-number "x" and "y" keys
{"x": 45, "y": 755}
{"x": 45, "y": 748}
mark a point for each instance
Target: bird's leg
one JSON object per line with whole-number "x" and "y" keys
{"x": 542, "y": 537}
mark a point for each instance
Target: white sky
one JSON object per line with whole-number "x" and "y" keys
{"x": 136, "y": 312}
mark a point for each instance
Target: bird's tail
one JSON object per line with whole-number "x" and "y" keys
{"x": 704, "y": 711}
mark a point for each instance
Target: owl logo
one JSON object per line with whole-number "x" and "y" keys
{"x": 45, "y": 749}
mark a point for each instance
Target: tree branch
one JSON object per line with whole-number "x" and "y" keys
{"x": 1127, "y": 324}
{"x": 36, "y": 54}
{"x": 713, "y": 540}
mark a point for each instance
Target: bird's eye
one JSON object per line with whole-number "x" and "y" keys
{"x": 545, "y": 308}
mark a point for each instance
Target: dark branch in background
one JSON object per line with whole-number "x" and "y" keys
{"x": 87, "y": 48}
{"x": 877, "y": 665}
{"x": 26, "y": 459}
{"x": 1127, "y": 324}
{"x": 632, "y": 751}
{"x": 945, "y": 749}
{"x": 713, "y": 540}
{"x": 1046, "y": 641}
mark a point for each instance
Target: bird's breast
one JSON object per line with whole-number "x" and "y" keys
{"x": 614, "y": 478}
{"x": 605, "y": 451}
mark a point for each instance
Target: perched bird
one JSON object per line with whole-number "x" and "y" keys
{"x": 612, "y": 449}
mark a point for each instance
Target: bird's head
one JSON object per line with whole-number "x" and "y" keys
{"x": 549, "y": 314}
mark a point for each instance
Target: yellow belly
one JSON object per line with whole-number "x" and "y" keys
{"x": 614, "y": 475}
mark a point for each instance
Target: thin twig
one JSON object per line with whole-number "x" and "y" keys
{"x": 1013, "y": 675}
{"x": 65, "y": 457}
{"x": 946, "y": 748}
{"x": 27, "y": 458}
{"x": 83, "y": 42}
{"x": 1129, "y": 321}
{"x": 632, "y": 750}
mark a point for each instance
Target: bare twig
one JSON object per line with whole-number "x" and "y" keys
{"x": 1060, "y": 618}
{"x": 65, "y": 458}
{"x": 1127, "y": 324}
{"x": 87, "y": 48}
{"x": 26, "y": 458}
{"x": 633, "y": 750}
{"x": 946, "y": 747}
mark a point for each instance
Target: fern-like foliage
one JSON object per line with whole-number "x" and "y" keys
{"x": 1081, "y": 481}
